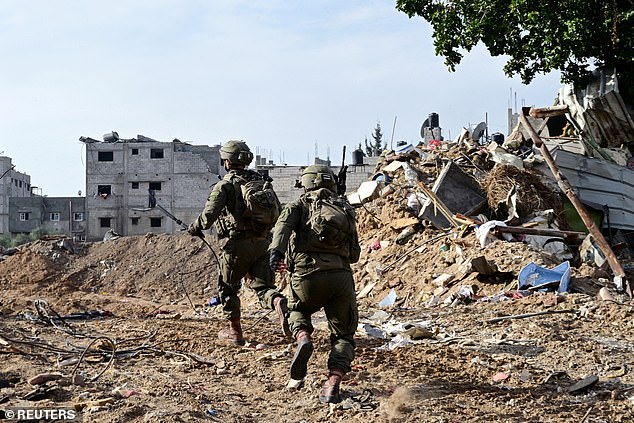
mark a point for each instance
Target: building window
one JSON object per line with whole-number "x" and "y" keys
{"x": 156, "y": 186}
{"x": 135, "y": 151}
{"x": 155, "y": 222}
{"x": 54, "y": 217}
{"x": 135, "y": 221}
{"x": 135, "y": 185}
{"x": 105, "y": 156}
{"x": 156, "y": 153}
{"x": 104, "y": 222}
{"x": 104, "y": 190}
{"x": 24, "y": 216}
{"x": 78, "y": 216}
{"x": 20, "y": 184}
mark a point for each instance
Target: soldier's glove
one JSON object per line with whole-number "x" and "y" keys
{"x": 195, "y": 231}
{"x": 276, "y": 261}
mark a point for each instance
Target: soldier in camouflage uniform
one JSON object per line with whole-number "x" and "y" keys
{"x": 321, "y": 277}
{"x": 246, "y": 250}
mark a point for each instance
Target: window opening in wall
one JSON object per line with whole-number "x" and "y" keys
{"x": 20, "y": 184}
{"x": 135, "y": 221}
{"x": 54, "y": 216}
{"x": 156, "y": 186}
{"x": 24, "y": 216}
{"x": 135, "y": 185}
{"x": 78, "y": 216}
{"x": 104, "y": 222}
{"x": 155, "y": 222}
{"x": 105, "y": 156}
{"x": 156, "y": 153}
{"x": 104, "y": 190}
{"x": 135, "y": 151}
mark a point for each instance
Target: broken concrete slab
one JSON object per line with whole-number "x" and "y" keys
{"x": 459, "y": 191}
{"x": 367, "y": 191}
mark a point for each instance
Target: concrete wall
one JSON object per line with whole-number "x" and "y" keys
{"x": 184, "y": 174}
{"x": 42, "y": 212}
{"x": 12, "y": 184}
{"x": 284, "y": 177}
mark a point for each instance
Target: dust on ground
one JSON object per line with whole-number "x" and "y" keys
{"x": 134, "y": 295}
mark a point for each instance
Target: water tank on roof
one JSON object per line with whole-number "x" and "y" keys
{"x": 497, "y": 137}
{"x": 434, "y": 122}
{"x": 111, "y": 137}
{"x": 357, "y": 157}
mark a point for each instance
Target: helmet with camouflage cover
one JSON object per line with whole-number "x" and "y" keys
{"x": 237, "y": 152}
{"x": 318, "y": 176}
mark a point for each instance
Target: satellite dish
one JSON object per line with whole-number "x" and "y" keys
{"x": 478, "y": 131}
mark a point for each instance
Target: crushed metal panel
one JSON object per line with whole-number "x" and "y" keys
{"x": 458, "y": 190}
{"x": 601, "y": 182}
{"x": 573, "y": 146}
{"x": 599, "y": 110}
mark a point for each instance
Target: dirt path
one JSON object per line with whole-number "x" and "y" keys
{"x": 169, "y": 366}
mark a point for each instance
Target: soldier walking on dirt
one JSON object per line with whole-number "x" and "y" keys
{"x": 246, "y": 250}
{"x": 324, "y": 244}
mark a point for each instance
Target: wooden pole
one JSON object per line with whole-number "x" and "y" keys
{"x": 543, "y": 112}
{"x": 562, "y": 181}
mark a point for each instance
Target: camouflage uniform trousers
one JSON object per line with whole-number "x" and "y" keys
{"x": 334, "y": 291}
{"x": 244, "y": 254}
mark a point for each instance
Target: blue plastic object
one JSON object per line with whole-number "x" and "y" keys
{"x": 534, "y": 277}
{"x": 381, "y": 176}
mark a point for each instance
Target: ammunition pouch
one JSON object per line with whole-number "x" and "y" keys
{"x": 223, "y": 228}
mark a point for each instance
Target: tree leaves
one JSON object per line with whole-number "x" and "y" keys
{"x": 538, "y": 36}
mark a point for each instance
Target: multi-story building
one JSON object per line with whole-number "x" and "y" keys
{"x": 52, "y": 215}
{"x": 121, "y": 173}
{"x": 12, "y": 184}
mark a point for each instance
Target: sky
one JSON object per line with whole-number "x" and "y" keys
{"x": 291, "y": 78}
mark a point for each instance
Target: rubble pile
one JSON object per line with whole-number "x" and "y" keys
{"x": 431, "y": 212}
{"x": 482, "y": 297}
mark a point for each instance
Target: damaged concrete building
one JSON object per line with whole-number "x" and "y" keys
{"x": 12, "y": 184}
{"x": 121, "y": 172}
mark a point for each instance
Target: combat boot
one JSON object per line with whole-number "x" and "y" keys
{"x": 280, "y": 305}
{"x": 299, "y": 365}
{"x": 232, "y": 333}
{"x": 330, "y": 390}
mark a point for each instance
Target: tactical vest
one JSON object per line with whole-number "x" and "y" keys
{"x": 328, "y": 224}
{"x": 255, "y": 204}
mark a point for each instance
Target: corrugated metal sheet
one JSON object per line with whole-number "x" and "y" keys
{"x": 599, "y": 111}
{"x": 597, "y": 181}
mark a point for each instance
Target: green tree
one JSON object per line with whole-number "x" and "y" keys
{"x": 7, "y": 241}
{"x": 572, "y": 36}
{"x": 376, "y": 148}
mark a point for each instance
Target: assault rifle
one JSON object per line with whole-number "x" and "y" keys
{"x": 341, "y": 177}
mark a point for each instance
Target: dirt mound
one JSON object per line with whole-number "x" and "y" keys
{"x": 150, "y": 270}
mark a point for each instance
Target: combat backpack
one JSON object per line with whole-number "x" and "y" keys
{"x": 331, "y": 218}
{"x": 262, "y": 205}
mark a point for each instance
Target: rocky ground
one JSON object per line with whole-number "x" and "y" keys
{"x": 415, "y": 361}
{"x": 444, "y": 333}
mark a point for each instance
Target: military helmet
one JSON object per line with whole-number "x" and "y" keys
{"x": 237, "y": 152}
{"x": 318, "y": 176}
